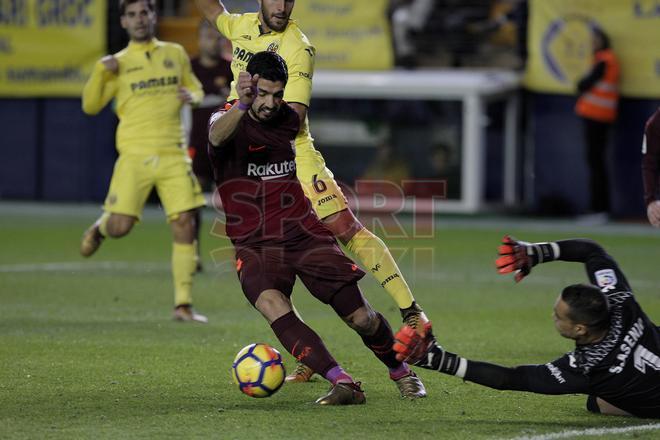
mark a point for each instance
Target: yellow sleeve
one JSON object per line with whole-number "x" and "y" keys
{"x": 301, "y": 70}
{"x": 189, "y": 80}
{"x": 100, "y": 88}
{"x": 226, "y": 24}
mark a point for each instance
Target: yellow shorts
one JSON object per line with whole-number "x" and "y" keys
{"x": 135, "y": 175}
{"x": 317, "y": 180}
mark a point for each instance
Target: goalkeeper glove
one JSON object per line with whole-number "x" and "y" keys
{"x": 520, "y": 256}
{"x": 411, "y": 347}
{"x": 514, "y": 256}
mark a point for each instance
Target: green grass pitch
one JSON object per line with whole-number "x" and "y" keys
{"x": 88, "y": 348}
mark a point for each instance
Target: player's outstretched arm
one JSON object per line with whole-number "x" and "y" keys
{"x": 224, "y": 123}
{"x": 552, "y": 378}
{"x": 519, "y": 257}
{"x": 210, "y": 9}
{"x": 514, "y": 255}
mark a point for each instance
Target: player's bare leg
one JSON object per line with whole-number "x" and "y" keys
{"x": 305, "y": 345}
{"x": 184, "y": 263}
{"x": 607, "y": 408}
{"x": 377, "y": 335}
{"x": 108, "y": 225}
{"x": 374, "y": 255}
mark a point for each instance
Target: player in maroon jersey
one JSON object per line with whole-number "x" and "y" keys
{"x": 650, "y": 168}
{"x": 213, "y": 69}
{"x": 212, "y": 66}
{"x": 278, "y": 236}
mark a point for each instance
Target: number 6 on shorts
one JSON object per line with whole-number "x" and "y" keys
{"x": 319, "y": 185}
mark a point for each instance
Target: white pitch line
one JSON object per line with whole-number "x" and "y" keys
{"x": 492, "y": 277}
{"x": 411, "y": 273}
{"x": 591, "y": 431}
{"x": 72, "y": 266}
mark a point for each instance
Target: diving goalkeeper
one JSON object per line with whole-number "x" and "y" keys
{"x": 615, "y": 361}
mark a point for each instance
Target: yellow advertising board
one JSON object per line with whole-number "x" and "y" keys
{"x": 560, "y": 43}
{"x": 48, "y": 47}
{"x": 347, "y": 34}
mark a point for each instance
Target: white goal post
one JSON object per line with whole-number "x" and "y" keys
{"x": 473, "y": 88}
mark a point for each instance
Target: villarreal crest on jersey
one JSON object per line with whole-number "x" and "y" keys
{"x": 246, "y": 37}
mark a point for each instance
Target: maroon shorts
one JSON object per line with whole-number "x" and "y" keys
{"x": 316, "y": 259}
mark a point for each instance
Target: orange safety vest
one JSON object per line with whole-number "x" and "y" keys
{"x": 600, "y": 102}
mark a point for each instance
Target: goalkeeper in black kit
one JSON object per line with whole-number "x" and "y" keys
{"x": 616, "y": 360}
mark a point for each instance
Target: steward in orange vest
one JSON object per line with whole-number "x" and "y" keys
{"x": 597, "y": 106}
{"x": 599, "y": 90}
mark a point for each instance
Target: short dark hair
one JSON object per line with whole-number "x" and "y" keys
{"x": 604, "y": 38}
{"x": 588, "y": 306}
{"x": 124, "y": 3}
{"x": 268, "y": 65}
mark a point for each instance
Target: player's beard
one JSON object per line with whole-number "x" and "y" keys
{"x": 258, "y": 115}
{"x": 269, "y": 22}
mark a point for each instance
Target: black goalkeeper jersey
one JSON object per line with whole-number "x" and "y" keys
{"x": 622, "y": 369}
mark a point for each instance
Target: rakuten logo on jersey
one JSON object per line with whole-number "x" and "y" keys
{"x": 271, "y": 170}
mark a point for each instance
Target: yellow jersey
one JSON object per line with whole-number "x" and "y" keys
{"x": 146, "y": 96}
{"x": 244, "y": 32}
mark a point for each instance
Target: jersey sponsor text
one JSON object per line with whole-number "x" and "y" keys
{"x": 556, "y": 372}
{"x": 271, "y": 170}
{"x": 243, "y": 54}
{"x": 155, "y": 82}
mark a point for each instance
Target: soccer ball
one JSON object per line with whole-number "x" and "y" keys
{"x": 258, "y": 370}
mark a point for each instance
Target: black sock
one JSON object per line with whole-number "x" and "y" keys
{"x": 381, "y": 342}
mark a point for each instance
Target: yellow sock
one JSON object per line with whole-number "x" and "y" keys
{"x": 183, "y": 268}
{"x": 103, "y": 223}
{"x": 374, "y": 255}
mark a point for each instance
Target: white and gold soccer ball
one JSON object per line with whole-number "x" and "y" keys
{"x": 258, "y": 370}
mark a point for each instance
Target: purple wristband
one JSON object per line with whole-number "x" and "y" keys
{"x": 243, "y": 107}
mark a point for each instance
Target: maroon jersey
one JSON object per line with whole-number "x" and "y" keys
{"x": 255, "y": 172}
{"x": 651, "y": 158}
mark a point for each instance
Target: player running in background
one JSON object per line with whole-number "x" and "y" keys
{"x": 277, "y": 235}
{"x": 213, "y": 69}
{"x": 650, "y": 168}
{"x": 271, "y": 29}
{"x": 150, "y": 80}
{"x": 616, "y": 358}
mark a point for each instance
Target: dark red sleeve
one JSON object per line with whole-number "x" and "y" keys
{"x": 651, "y": 158}
{"x": 291, "y": 119}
